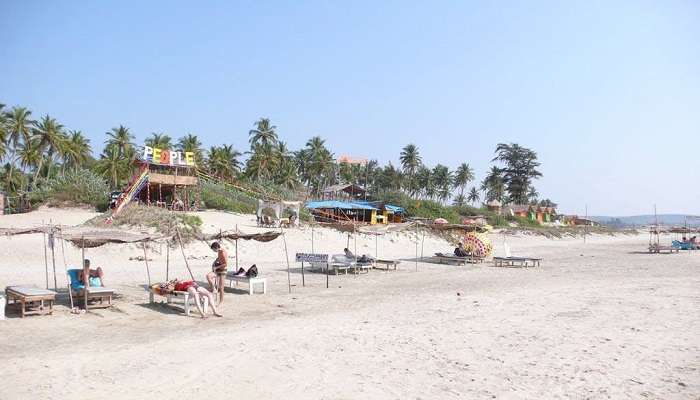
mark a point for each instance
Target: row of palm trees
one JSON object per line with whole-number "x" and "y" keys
{"x": 36, "y": 149}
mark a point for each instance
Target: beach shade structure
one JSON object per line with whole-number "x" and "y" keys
{"x": 94, "y": 237}
{"x": 440, "y": 221}
{"x": 478, "y": 244}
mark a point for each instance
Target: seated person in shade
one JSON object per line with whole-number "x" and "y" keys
{"x": 86, "y": 275}
{"x": 460, "y": 251}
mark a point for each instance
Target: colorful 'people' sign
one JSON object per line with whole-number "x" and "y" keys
{"x": 167, "y": 157}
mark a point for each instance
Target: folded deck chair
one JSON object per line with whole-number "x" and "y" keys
{"x": 95, "y": 291}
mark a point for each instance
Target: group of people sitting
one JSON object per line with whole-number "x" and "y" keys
{"x": 691, "y": 243}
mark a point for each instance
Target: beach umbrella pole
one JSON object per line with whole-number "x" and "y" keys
{"x": 85, "y": 288}
{"x": 286, "y": 254}
{"x": 167, "y": 261}
{"x": 182, "y": 249}
{"x": 65, "y": 267}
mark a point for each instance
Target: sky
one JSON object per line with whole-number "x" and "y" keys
{"x": 606, "y": 92}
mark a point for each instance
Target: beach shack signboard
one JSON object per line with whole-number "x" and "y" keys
{"x": 168, "y": 157}
{"x": 312, "y": 258}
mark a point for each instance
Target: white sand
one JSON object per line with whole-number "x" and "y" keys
{"x": 595, "y": 321}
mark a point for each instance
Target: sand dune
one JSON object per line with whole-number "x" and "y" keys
{"x": 597, "y": 321}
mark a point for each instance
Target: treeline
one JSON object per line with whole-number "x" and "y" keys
{"x": 37, "y": 150}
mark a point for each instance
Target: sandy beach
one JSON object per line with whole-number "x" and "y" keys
{"x": 598, "y": 320}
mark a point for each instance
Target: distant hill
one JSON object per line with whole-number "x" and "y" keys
{"x": 637, "y": 220}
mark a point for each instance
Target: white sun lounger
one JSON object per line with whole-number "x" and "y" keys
{"x": 186, "y": 298}
{"x": 510, "y": 261}
{"x": 232, "y": 277}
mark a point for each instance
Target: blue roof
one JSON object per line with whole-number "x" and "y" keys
{"x": 345, "y": 205}
{"x": 395, "y": 209}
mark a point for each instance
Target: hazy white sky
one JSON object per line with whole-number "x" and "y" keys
{"x": 608, "y": 93}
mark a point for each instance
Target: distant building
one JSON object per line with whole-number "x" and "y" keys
{"x": 531, "y": 212}
{"x": 495, "y": 206}
{"x": 343, "y": 191}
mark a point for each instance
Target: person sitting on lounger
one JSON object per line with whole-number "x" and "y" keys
{"x": 197, "y": 292}
{"x": 86, "y": 274}
{"x": 218, "y": 271}
{"x": 460, "y": 251}
{"x": 252, "y": 272}
{"x": 362, "y": 259}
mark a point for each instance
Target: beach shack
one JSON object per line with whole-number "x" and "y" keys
{"x": 533, "y": 213}
{"x": 162, "y": 178}
{"x": 342, "y": 211}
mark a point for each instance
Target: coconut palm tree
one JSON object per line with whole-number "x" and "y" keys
{"x": 121, "y": 138}
{"x": 320, "y": 164}
{"x": 18, "y": 129}
{"x": 222, "y": 162}
{"x": 159, "y": 141}
{"x": 52, "y": 141}
{"x": 463, "y": 176}
{"x": 3, "y": 132}
{"x": 425, "y": 183}
{"x": 410, "y": 161}
{"x": 473, "y": 196}
{"x": 287, "y": 176}
{"x": 191, "y": 143}
{"x": 263, "y": 134}
{"x": 263, "y": 163}
{"x": 532, "y": 195}
{"x": 29, "y": 154}
{"x": 113, "y": 166}
{"x": 443, "y": 181}
{"x": 458, "y": 200}
{"x": 78, "y": 150}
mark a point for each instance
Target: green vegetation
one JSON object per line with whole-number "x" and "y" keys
{"x": 158, "y": 219}
{"x": 45, "y": 161}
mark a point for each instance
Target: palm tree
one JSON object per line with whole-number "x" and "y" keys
{"x": 410, "y": 161}
{"x": 191, "y": 143}
{"x": 78, "y": 150}
{"x": 222, "y": 162}
{"x": 320, "y": 164}
{"x": 3, "y": 132}
{"x": 159, "y": 141}
{"x": 459, "y": 200}
{"x": 424, "y": 182}
{"x": 473, "y": 196}
{"x": 18, "y": 129}
{"x": 532, "y": 195}
{"x": 29, "y": 154}
{"x": 287, "y": 176}
{"x": 113, "y": 166}
{"x": 463, "y": 176}
{"x": 263, "y": 134}
{"x": 263, "y": 163}
{"x": 121, "y": 138}
{"x": 51, "y": 140}
{"x": 493, "y": 185}
{"x": 443, "y": 181}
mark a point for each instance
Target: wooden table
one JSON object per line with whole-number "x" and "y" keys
{"x": 387, "y": 263}
{"x": 30, "y": 300}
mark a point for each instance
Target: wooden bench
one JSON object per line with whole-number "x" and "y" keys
{"x": 516, "y": 262}
{"x": 232, "y": 277}
{"x": 386, "y": 263}
{"x": 185, "y": 296}
{"x": 30, "y": 300}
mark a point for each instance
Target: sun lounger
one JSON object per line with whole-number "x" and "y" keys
{"x": 510, "y": 261}
{"x": 452, "y": 259}
{"x": 387, "y": 264}
{"x": 654, "y": 248}
{"x": 94, "y": 293}
{"x": 232, "y": 277}
{"x": 342, "y": 262}
{"x": 29, "y": 300}
{"x": 186, "y": 298}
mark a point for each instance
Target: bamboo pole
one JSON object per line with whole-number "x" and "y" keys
{"x": 53, "y": 257}
{"x": 46, "y": 257}
{"x": 286, "y": 253}
{"x": 145, "y": 259}
{"x": 236, "y": 248}
{"x": 416, "y": 247}
{"x": 167, "y": 261}
{"x": 182, "y": 249}
{"x": 63, "y": 252}
{"x": 85, "y": 284}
